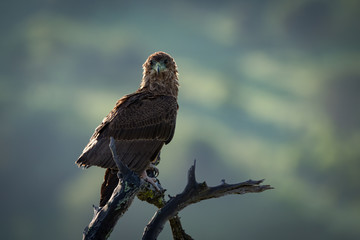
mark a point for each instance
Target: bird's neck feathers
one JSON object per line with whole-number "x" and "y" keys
{"x": 165, "y": 83}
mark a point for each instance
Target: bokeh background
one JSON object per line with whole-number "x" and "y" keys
{"x": 269, "y": 89}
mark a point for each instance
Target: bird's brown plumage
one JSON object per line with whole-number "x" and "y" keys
{"x": 141, "y": 122}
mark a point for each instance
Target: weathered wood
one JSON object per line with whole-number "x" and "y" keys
{"x": 177, "y": 230}
{"x": 106, "y": 217}
{"x": 130, "y": 185}
{"x": 149, "y": 194}
{"x": 195, "y": 192}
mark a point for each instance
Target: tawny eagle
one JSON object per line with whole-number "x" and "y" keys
{"x": 141, "y": 123}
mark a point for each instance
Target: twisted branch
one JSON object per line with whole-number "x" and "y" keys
{"x": 130, "y": 185}
{"x": 106, "y": 217}
{"x": 195, "y": 192}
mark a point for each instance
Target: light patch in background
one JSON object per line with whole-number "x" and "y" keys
{"x": 88, "y": 183}
{"x": 222, "y": 29}
{"x": 218, "y": 26}
{"x": 90, "y": 104}
{"x": 272, "y": 108}
{"x": 47, "y": 97}
{"x": 297, "y": 76}
{"x": 44, "y": 32}
{"x": 76, "y": 199}
{"x": 201, "y": 85}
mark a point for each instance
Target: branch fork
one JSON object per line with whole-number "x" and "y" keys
{"x": 130, "y": 185}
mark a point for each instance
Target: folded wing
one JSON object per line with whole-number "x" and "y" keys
{"x": 141, "y": 123}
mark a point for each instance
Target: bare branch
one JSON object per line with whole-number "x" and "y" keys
{"x": 177, "y": 229}
{"x": 130, "y": 185}
{"x": 149, "y": 194}
{"x": 106, "y": 217}
{"x": 195, "y": 192}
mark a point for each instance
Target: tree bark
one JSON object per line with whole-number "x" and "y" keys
{"x": 105, "y": 218}
{"x": 195, "y": 192}
{"x": 149, "y": 194}
{"x": 130, "y": 185}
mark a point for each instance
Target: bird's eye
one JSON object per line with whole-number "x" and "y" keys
{"x": 165, "y": 61}
{"x": 151, "y": 62}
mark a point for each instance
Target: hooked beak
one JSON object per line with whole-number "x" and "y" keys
{"x": 158, "y": 67}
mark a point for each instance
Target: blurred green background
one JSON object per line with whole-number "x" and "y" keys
{"x": 269, "y": 89}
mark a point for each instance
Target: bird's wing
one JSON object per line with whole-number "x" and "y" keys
{"x": 141, "y": 116}
{"x": 140, "y": 123}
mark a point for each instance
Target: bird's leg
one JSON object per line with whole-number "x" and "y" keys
{"x": 150, "y": 180}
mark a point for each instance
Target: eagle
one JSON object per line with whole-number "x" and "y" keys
{"x": 141, "y": 123}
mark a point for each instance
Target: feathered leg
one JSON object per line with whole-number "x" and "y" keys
{"x": 111, "y": 180}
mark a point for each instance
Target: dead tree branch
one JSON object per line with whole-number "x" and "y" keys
{"x": 106, "y": 217}
{"x": 149, "y": 194}
{"x": 195, "y": 192}
{"x": 130, "y": 186}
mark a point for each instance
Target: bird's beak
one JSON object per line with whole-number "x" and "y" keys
{"x": 158, "y": 67}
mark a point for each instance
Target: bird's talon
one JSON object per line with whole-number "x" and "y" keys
{"x": 152, "y": 171}
{"x": 150, "y": 180}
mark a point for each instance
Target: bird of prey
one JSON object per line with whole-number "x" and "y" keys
{"x": 141, "y": 123}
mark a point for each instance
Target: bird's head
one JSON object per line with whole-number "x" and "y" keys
{"x": 160, "y": 74}
{"x": 158, "y": 63}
